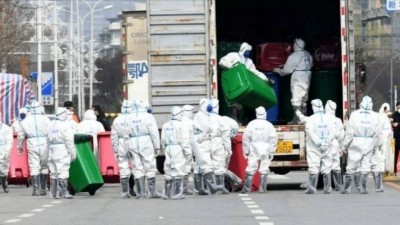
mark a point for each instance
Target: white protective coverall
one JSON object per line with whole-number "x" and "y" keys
{"x": 61, "y": 152}
{"x": 144, "y": 144}
{"x": 119, "y": 133}
{"x": 330, "y": 109}
{"x": 34, "y": 127}
{"x": 90, "y": 126}
{"x": 71, "y": 122}
{"x": 6, "y": 142}
{"x": 320, "y": 131}
{"x": 187, "y": 120}
{"x": 175, "y": 142}
{"x": 361, "y": 138}
{"x": 205, "y": 129}
{"x": 16, "y": 126}
{"x": 378, "y": 159}
{"x": 241, "y": 57}
{"x": 259, "y": 143}
{"x": 299, "y": 64}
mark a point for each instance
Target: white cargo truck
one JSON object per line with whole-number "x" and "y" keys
{"x": 171, "y": 52}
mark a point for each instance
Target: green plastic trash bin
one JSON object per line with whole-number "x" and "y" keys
{"x": 242, "y": 86}
{"x": 84, "y": 173}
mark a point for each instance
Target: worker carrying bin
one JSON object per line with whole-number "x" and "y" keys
{"x": 84, "y": 171}
{"x": 243, "y": 83}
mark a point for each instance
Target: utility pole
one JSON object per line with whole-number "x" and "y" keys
{"x": 39, "y": 36}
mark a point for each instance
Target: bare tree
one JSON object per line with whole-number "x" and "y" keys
{"x": 14, "y": 15}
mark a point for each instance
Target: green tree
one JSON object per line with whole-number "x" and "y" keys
{"x": 110, "y": 76}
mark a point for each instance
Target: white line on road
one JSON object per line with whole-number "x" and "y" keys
{"x": 26, "y": 215}
{"x": 262, "y": 218}
{"x": 47, "y": 206}
{"x": 252, "y": 206}
{"x": 257, "y": 211}
{"x": 12, "y": 221}
{"x": 266, "y": 223}
{"x": 249, "y": 203}
{"x": 241, "y": 195}
{"x": 56, "y": 202}
{"x": 246, "y": 199}
{"x": 37, "y": 210}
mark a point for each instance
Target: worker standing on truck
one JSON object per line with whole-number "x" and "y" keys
{"x": 119, "y": 133}
{"x": 61, "y": 153}
{"x": 243, "y": 56}
{"x": 6, "y": 142}
{"x": 144, "y": 143}
{"x": 175, "y": 141}
{"x": 34, "y": 127}
{"x": 362, "y": 133}
{"x": 299, "y": 64}
{"x": 259, "y": 143}
{"x": 320, "y": 131}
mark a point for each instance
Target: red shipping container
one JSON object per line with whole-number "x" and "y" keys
{"x": 327, "y": 55}
{"x": 238, "y": 163}
{"x": 18, "y": 168}
{"x": 272, "y": 55}
{"x": 108, "y": 165}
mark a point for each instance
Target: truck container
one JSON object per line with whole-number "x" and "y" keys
{"x": 182, "y": 66}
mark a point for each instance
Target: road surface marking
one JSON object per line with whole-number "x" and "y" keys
{"x": 12, "y": 221}
{"x": 26, "y": 215}
{"x": 37, "y": 210}
{"x": 242, "y": 195}
{"x": 278, "y": 177}
{"x": 56, "y": 202}
{"x": 246, "y": 199}
{"x": 47, "y": 206}
{"x": 257, "y": 211}
{"x": 266, "y": 223}
{"x": 249, "y": 203}
{"x": 252, "y": 206}
{"x": 262, "y": 218}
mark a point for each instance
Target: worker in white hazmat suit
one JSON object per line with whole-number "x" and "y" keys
{"x": 219, "y": 145}
{"x": 232, "y": 127}
{"x": 119, "y": 133}
{"x": 187, "y": 120}
{"x": 259, "y": 143}
{"x": 204, "y": 131}
{"x": 175, "y": 141}
{"x": 379, "y": 154}
{"x": 34, "y": 128}
{"x": 330, "y": 109}
{"x": 6, "y": 143}
{"x": 361, "y": 138}
{"x": 144, "y": 143}
{"x": 90, "y": 126}
{"x": 320, "y": 132}
{"x": 22, "y": 113}
{"x": 299, "y": 64}
{"x": 71, "y": 122}
{"x": 243, "y": 56}
{"x": 61, "y": 153}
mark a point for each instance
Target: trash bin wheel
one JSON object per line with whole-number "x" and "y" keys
{"x": 27, "y": 184}
{"x": 92, "y": 192}
{"x": 72, "y": 190}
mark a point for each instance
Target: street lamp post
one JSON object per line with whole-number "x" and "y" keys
{"x": 91, "y": 71}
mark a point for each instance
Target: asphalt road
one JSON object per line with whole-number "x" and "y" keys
{"x": 284, "y": 204}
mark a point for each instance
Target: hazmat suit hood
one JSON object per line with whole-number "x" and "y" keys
{"x": 126, "y": 107}
{"x": 298, "y": 45}
{"x": 215, "y": 105}
{"x": 330, "y": 107}
{"x": 366, "y": 103}
{"x": 383, "y": 107}
{"x": 89, "y": 115}
{"x": 244, "y": 47}
{"x": 137, "y": 106}
{"x": 261, "y": 113}
{"x": 317, "y": 106}
{"x": 176, "y": 113}
{"x": 62, "y": 114}
{"x": 204, "y": 104}
{"x": 36, "y": 108}
{"x": 188, "y": 111}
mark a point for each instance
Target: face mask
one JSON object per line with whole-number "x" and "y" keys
{"x": 398, "y": 110}
{"x": 246, "y": 54}
{"x": 22, "y": 115}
